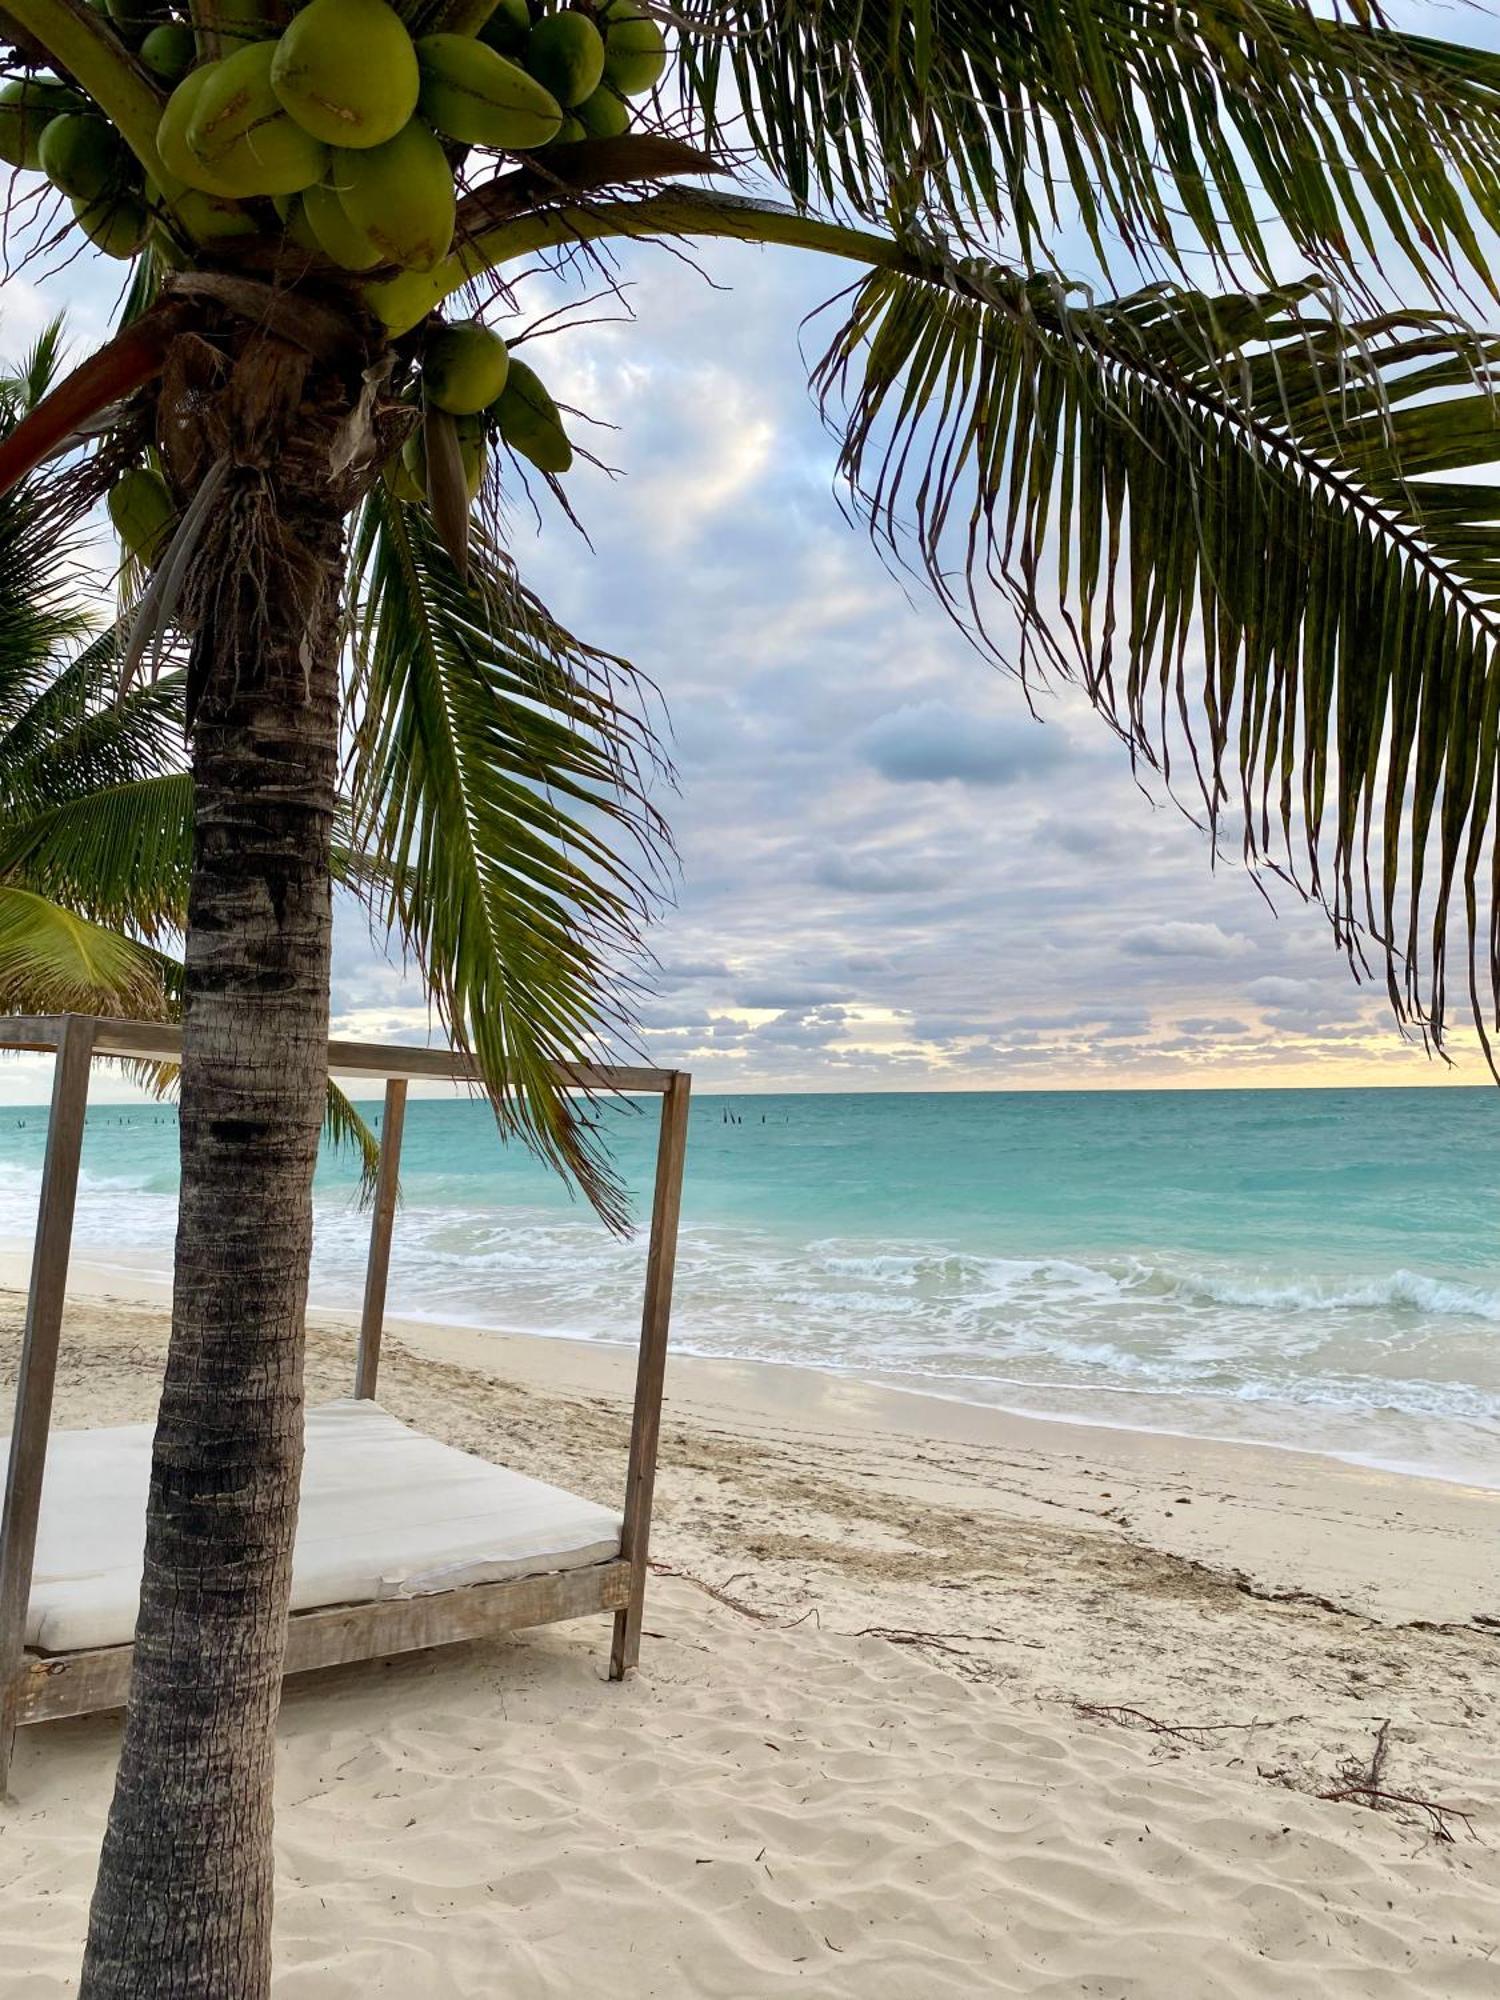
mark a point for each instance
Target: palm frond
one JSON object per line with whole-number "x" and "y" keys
{"x": 24, "y": 387}
{"x": 499, "y": 773}
{"x": 41, "y": 614}
{"x": 346, "y": 1131}
{"x": 1231, "y": 498}
{"x": 1154, "y": 127}
{"x": 121, "y": 854}
{"x": 54, "y": 961}
{"x": 70, "y": 734}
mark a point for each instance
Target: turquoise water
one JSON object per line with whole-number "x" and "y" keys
{"x": 1308, "y": 1268}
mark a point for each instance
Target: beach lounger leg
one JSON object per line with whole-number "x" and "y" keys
{"x": 38, "y": 1372}
{"x": 645, "y": 1429}
{"x": 378, "y": 1268}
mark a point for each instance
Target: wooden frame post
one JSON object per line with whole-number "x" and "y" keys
{"x": 378, "y": 1268}
{"x": 645, "y": 1426}
{"x": 38, "y": 1370}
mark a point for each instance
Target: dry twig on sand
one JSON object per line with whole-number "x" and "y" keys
{"x": 940, "y": 1642}
{"x": 715, "y": 1591}
{"x": 1199, "y": 1734}
{"x": 1361, "y": 1786}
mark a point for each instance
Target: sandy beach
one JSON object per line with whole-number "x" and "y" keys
{"x": 932, "y": 1700}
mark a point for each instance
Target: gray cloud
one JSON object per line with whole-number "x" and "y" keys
{"x": 688, "y": 972}
{"x": 791, "y": 993}
{"x": 937, "y": 742}
{"x": 1088, "y": 838}
{"x": 1280, "y": 992}
{"x": 1179, "y": 938}
{"x": 810, "y": 1029}
{"x": 868, "y": 872}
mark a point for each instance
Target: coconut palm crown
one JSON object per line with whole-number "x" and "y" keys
{"x": 1240, "y": 512}
{"x": 96, "y": 810}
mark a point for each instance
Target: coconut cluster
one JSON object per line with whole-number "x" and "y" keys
{"x": 469, "y": 374}
{"x": 47, "y": 125}
{"x": 348, "y": 125}
{"x": 344, "y": 134}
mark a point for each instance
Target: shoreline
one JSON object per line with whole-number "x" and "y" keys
{"x": 93, "y": 1277}
{"x": 1390, "y": 1543}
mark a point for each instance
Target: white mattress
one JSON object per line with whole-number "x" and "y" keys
{"x": 386, "y": 1512}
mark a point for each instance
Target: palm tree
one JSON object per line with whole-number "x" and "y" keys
{"x": 96, "y": 800}
{"x": 1234, "y": 514}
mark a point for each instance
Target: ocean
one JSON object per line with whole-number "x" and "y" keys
{"x": 1313, "y": 1269}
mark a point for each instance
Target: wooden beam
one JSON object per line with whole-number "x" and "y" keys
{"x": 651, "y": 1367}
{"x": 62, "y": 1684}
{"x": 378, "y": 1267}
{"x": 447, "y": 1065}
{"x": 38, "y": 1371}
{"x": 161, "y": 1041}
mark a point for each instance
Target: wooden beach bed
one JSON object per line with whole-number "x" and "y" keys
{"x": 403, "y": 1542}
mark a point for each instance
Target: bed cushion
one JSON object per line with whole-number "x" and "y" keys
{"x": 386, "y": 1512}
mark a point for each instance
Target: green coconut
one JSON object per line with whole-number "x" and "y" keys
{"x": 347, "y": 72}
{"x": 336, "y": 236}
{"x": 566, "y": 53}
{"x": 400, "y": 195}
{"x": 403, "y": 481}
{"x": 27, "y": 107}
{"x": 211, "y": 218}
{"x": 134, "y": 18}
{"x": 509, "y": 28}
{"x": 143, "y": 512}
{"x": 295, "y": 225}
{"x": 482, "y": 99}
{"x": 570, "y": 131}
{"x": 402, "y": 302}
{"x": 170, "y": 51}
{"x": 117, "y": 224}
{"x": 84, "y": 156}
{"x": 243, "y": 136}
{"x": 635, "y": 50}
{"x": 177, "y": 156}
{"x": 464, "y": 368}
{"x": 528, "y": 420}
{"x": 604, "y": 115}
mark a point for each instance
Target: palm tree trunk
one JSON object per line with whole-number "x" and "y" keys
{"x": 182, "y": 1907}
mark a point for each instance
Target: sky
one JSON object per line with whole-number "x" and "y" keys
{"x": 890, "y": 876}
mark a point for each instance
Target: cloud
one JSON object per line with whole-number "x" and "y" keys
{"x": 948, "y": 1028}
{"x": 781, "y": 995}
{"x": 1086, "y": 838}
{"x": 670, "y": 972}
{"x": 810, "y": 1029}
{"x": 937, "y": 742}
{"x": 872, "y": 872}
{"x": 1277, "y": 992}
{"x": 1179, "y": 939}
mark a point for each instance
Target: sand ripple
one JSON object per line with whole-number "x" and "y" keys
{"x": 766, "y": 1812}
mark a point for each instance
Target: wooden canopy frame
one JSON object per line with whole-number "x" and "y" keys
{"x": 41, "y": 1687}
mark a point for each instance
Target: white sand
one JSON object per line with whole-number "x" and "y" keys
{"x": 781, "y": 1803}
